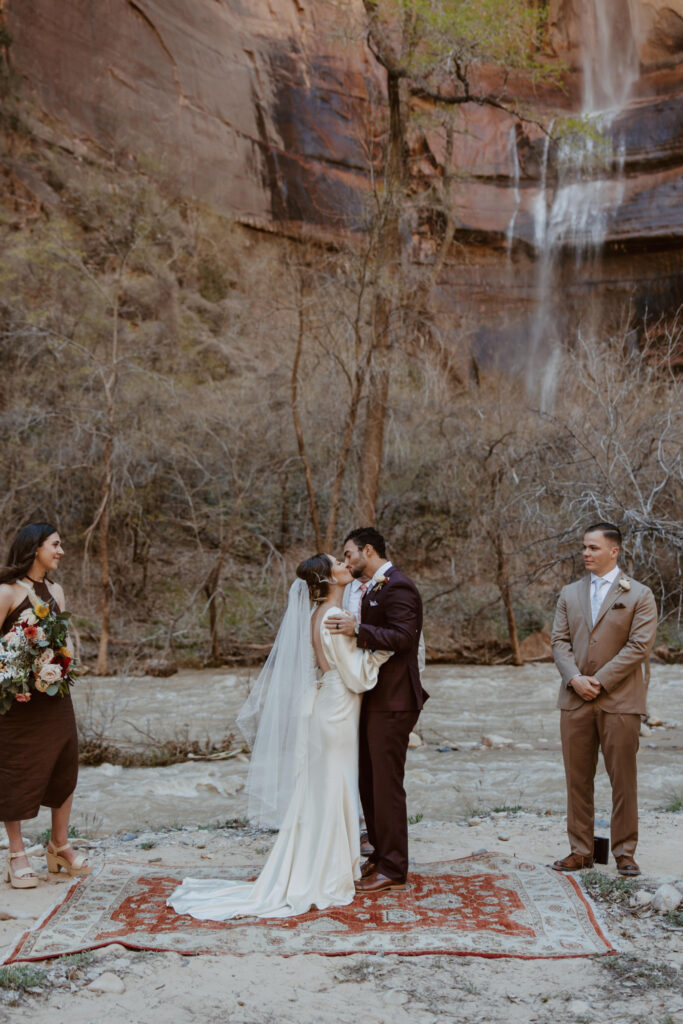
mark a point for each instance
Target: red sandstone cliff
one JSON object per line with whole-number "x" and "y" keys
{"x": 249, "y": 106}
{"x": 264, "y": 109}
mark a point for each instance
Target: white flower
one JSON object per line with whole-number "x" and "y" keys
{"x": 28, "y": 616}
{"x": 44, "y": 658}
{"x": 41, "y": 636}
{"x": 49, "y": 674}
{"x": 624, "y": 584}
{"x": 15, "y": 638}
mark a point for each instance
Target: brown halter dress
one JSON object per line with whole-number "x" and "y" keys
{"x": 38, "y": 744}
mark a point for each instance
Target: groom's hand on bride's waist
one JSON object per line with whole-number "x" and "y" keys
{"x": 344, "y": 625}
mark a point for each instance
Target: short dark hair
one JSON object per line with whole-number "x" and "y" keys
{"x": 609, "y": 530}
{"x": 316, "y": 572}
{"x": 23, "y": 550}
{"x": 368, "y": 535}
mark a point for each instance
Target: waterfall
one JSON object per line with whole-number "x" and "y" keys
{"x": 572, "y": 213}
{"x": 610, "y": 62}
{"x": 514, "y": 156}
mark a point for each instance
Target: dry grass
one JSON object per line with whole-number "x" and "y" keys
{"x": 640, "y": 975}
{"x": 97, "y": 749}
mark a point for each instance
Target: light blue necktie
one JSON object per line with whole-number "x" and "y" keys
{"x": 597, "y": 596}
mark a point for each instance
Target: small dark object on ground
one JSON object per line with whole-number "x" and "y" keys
{"x": 601, "y": 849}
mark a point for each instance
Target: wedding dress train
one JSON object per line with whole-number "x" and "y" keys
{"x": 316, "y": 855}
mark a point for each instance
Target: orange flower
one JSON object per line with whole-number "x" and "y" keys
{"x": 23, "y": 698}
{"x": 65, "y": 652}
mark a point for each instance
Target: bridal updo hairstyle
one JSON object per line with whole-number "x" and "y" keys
{"x": 23, "y": 551}
{"x": 316, "y": 572}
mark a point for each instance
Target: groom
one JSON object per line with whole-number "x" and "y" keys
{"x": 391, "y": 620}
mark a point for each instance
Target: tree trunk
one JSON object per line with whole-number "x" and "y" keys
{"x": 284, "y": 512}
{"x": 373, "y": 445}
{"x": 105, "y": 576}
{"x": 298, "y": 429}
{"x": 110, "y": 383}
{"x": 214, "y": 578}
{"x": 512, "y": 625}
{"x": 210, "y": 589}
{"x": 384, "y": 305}
{"x": 506, "y": 595}
{"x": 347, "y": 439}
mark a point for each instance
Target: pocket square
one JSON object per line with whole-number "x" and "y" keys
{"x": 373, "y": 604}
{"x": 618, "y": 605}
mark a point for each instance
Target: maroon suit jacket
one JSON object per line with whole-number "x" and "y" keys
{"x": 391, "y": 620}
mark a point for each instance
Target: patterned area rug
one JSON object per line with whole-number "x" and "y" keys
{"x": 485, "y": 905}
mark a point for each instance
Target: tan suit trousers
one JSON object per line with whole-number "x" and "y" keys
{"x": 584, "y": 731}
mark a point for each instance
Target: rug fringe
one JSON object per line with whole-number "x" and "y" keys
{"x": 16, "y": 944}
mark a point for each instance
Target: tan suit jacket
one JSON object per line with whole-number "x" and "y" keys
{"x": 612, "y": 650}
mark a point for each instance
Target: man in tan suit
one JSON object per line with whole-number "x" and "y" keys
{"x": 604, "y": 627}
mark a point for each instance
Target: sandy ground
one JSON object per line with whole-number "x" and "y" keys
{"x": 461, "y": 788}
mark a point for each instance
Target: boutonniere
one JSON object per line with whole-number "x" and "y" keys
{"x": 624, "y": 584}
{"x": 379, "y": 583}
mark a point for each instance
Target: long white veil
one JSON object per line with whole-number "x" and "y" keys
{"x": 276, "y": 716}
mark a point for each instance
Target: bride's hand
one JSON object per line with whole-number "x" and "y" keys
{"x": 344, "y": 625}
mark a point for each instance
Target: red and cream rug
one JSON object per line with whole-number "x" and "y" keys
{"x": 485, "y": 905}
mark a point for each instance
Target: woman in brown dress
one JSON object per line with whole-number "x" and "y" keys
{"x": 38, "y": 739}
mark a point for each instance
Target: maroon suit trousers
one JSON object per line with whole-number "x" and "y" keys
{"x": 383, "y": 747}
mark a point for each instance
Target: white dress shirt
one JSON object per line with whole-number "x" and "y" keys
{"x": 382, "y": 571}
{"x": 352, "y": 597}
{"x": 353, "y": 594}
{"x": 599, "y": 587}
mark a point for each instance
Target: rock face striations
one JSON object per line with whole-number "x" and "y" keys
{"x": 245, "y": 105}
{"x": 266, "y": 110}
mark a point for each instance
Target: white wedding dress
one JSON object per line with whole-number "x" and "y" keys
{"x": 316, "y": 855}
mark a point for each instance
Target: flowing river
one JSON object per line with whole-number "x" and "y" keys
{"x": 449, "y": 778}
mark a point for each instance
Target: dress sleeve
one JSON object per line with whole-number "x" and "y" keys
{"x": 358, "y": 668}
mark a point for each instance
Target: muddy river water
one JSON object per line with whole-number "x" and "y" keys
{"x": 449, "y": 778}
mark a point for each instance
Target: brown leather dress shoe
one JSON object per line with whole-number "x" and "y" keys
{"x": 574, "y": 862}
{"x": 377, "y": 882}
{"x": 367, "y": 868}
{"x": 366, "y": 847}
{"x": 627, "y": 866}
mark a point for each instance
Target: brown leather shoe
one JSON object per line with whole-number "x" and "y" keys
{"x": 366, "y": 847}
{"x": 574, "y": 862}
{"x": 627, "y": 866}
{"x": 367, "y": 868}
{"x": 377, "y": 882}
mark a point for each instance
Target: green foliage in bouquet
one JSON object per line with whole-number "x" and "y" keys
{"x": 34, "y": 655}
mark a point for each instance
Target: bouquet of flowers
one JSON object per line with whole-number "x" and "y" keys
{"x": 34, "y": 655}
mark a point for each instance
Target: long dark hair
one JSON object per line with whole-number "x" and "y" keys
{"x": 23, "y": 551}
{"x": 317, "y": 573}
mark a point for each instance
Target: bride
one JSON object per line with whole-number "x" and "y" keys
{"x": 301, "y": 721}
